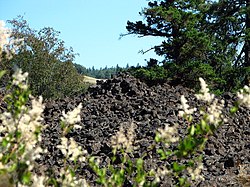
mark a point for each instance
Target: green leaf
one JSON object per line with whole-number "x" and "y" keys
{"x": 182, "y": 181}
{"x": 21, "y": 148}
{"x": 113, "y": 159}
{"x": 13, "y": 167}
{"x": 2, "y": 73}
{"x": 157, "y": 138}
{"x": 190, "y": 163}
{"x": 72, "y": 173}
{"x": 91, "y": 159}
{"x": 203, "y": 143}
{"x": 190, "y": 118}
{"x": 168, "y": 153}
{"x": 139, "y": 163}
{"x": 52, "y": 181}
{"x": 177, "y": 167}
{"x": 5, "y": 159}
{"x": 129, "y": 168}
{"x": 188, "y": 144}
{"x": 101, "y": 172}
{"x": 162, "y": 154}
{"x": 5, "y": 142}
{"x": 26, "y": 178}
{"x": 203, "y": 124}
{"x": 192, "y": 130}
{"x": 233, "y": 110}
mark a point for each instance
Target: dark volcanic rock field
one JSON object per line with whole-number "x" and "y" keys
{"x": 123, "y": 100}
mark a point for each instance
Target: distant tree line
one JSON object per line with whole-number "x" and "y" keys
{"x": 101, "y": 73}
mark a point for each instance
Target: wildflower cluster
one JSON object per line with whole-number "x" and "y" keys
{"x": 20, "y": 79}
{"x": 213, "y": 114}
{"x": 20, "y": 131}
{"x": 68, "y": 179}
{"x": 120, "y": 142}
{"x": 244, "y": 96}
{"x": 186, "y": 112}
{"x": 160, "y": 173}
{"x": 204, "y": 92}
{"x": 168, "y": 135}
{"x": 20, "y": 142}
{"x": 70, "y": 149}
{"x": 189, "y": 147}
{"x": 20, "y": 139}
{"x": 72, "y": 117}
{"x": 124, "y": 140}
{"x": 195, "y": 140}
{"x": 8, "y": 45}
{"x": 195, "y": 173}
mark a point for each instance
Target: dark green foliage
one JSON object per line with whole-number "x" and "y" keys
{"x": 44, "y": 56}
{"x": 208, "y": 39}
{"x": 188, "y": 74}
{"x": 151, "y": 74}
{"x": 81, "y": 69}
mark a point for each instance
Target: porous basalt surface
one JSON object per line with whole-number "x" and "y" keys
{"x": 123, "y": 100}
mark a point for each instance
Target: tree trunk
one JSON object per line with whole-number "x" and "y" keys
{"x": 247, "y": 45}
{"x": 247, "y": 41}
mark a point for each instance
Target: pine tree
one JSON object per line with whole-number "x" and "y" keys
{"x": 200, "y": 38}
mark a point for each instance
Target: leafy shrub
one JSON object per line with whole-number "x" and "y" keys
{"x": 43, "y": 55}
{"x": 151, "y": 75}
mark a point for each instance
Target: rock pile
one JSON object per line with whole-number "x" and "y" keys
{"x": 123, "y": 100}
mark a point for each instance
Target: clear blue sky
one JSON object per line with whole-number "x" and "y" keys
{"x": 91, "y": 27}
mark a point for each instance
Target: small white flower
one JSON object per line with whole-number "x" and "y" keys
{"x": 124, "y": 140}
{"x": 163, "y": 171}
{"x": 63, "y": 146}
{"x": 244, "y": 96}
{"x": 2, "y": 166}
{"x": 74, "y": 150}
{"x": 37, "y": 109}
{"x": 196, "y": 173}
{"x": 19, "y": 77}
{"x": 71, "y": 150}
{"x": 77, "y": 127}
{"x": 204, "y": 92}
{"x": 214, "y": 109}
{"x": 215, "y": 112}
{"x": 72, "y": 117}
{"x": 168, "y": 134}
{"x": 71, "y": 181}
{"x": 38, "y": 181}
{"x": 185, "y": 107}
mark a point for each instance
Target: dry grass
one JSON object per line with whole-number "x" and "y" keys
{"x": 90, "y": 80}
